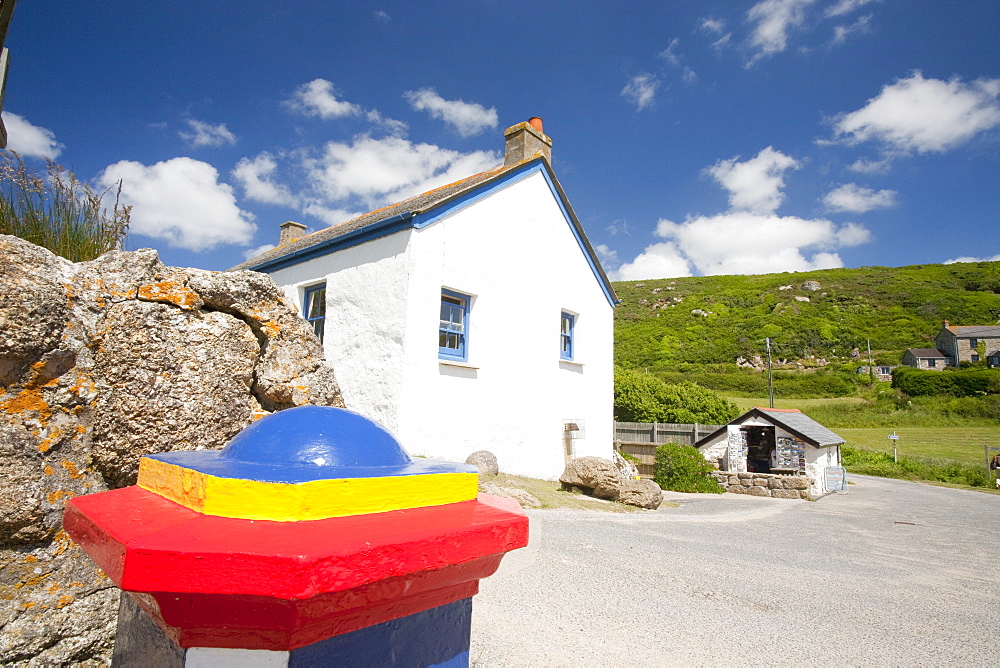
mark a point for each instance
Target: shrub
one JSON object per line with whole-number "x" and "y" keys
{"x": 959, "y": 383}
{"x": 641, "y": 397}
{"x": 58, "y": 212}
{"x": 682, "y": 468}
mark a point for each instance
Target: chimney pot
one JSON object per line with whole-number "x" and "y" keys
{"x": 290, "y": 231}
{"x": 536, "y": 123}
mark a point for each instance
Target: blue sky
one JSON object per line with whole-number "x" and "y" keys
{"x": 692, "y": 137}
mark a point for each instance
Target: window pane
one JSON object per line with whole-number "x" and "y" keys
{"x": 317, "y": 304}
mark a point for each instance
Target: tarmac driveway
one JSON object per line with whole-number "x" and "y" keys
{"x": 890, "y": 574}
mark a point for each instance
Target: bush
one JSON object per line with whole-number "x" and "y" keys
{"x": 682, "y": 468}
{"x": 58, "y": 212}
{"x": 958, "y": 383}
{"x": 641, "y": 397}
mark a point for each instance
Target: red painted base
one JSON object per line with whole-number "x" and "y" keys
{"x": 221, "y": 582}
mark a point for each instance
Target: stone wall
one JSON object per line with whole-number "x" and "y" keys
{"x": 765, "y": 484}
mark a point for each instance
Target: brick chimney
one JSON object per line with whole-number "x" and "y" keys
{"x": 524, "y": 141}
{"x": 290, "y": 231}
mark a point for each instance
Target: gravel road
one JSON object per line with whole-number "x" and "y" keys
{"x": 890, "y": 574}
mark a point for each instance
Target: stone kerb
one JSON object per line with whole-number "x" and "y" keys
{"x": 764, "y": 484}
{"x": 311, "y": 537}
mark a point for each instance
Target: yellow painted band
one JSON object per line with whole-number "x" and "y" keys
{"x": 313, "y": 500}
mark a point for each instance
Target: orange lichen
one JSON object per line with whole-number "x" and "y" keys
{"x": 171, "y": 292}
{"x": 29, "y": 400}
{"x": 64, "y": 601}
{"x": 49, "y": 470}
{"x": 71, "y": 468}
{"x": 30, "y": 559}
{"x": 48, "y": 442}
{"x": 27, "y": 605}
{"x": 54, "y": 588}
{"x": 58, "y": 494}
{"x": 272, "y": 327}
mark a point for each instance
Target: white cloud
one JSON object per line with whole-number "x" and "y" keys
{"x": 846, "y": 7}
{"x": 995, "y": 258}
{"x": 391, "y": 125}
{"x": 254, "y": 252}
{"x": 206, "y": 134}
{"x": 750, "y": 238}
{"x": 860, "y": 26}
{"x": 641, "y": 90}
{"x": 670, "y": 53}
{"x": 923, "y": 115}
{"x": 319, "y": 98}
{"x": 380, "y": 171}
{"x": 866, "y": 166}
{"x": 743, "y": 242}
{"x": 466, "y": 118}
{"x": 182, "y": 202}
{"x": 852, "y": 197}
{"x": 30, "y": 141}
{"x": 381, "y": 15}
{"x": 754, "y": 185}
{"x": 772, "y": 20}
{"x": 661, "y": 260}
{"x": 606, "y": 254}
{"x": 255, "y": 175}
{"x": 715, "y": 26}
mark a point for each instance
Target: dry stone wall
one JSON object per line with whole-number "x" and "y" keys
{"x": 102, "y": 362}
{"x": 764, "y": 484}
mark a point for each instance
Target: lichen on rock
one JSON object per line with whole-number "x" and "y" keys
{"x": 102, "y": 362}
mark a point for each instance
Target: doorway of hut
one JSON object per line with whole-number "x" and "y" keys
{"x": 760, "y": 446}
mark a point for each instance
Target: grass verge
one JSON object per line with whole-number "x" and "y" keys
{"x": 552, "y": 497}
{"x": 910, "y": 467}
{"x": 960, "y": 444}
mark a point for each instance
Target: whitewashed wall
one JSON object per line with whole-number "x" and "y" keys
{"x": 366, "y": 291}
{"x": 514, "y": 252}
{"x": 516, "y": 255}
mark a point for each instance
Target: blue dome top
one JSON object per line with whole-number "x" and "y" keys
{"x": 316, "y": 436}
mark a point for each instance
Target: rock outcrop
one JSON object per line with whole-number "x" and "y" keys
{"x": 603, "y": 479}
{"x": 485, "y": 461}
{"x": 102, "y": 362}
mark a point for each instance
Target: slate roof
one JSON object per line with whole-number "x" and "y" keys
{"x": 416, "y": 204}
{"x": 926, "y": 353}
{"x": 977, "y": 331}
{"x": 791, "y": 420}
{"x": 400, "y": 212}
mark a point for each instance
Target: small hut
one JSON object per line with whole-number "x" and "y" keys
{"x": 775, "y": 442}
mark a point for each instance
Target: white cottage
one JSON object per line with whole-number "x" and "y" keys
{"x": 472, "y": 317}
{"x": 775, "y": 441}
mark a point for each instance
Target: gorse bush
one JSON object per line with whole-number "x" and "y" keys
{"x": 909, "y": 467}
{"x": 641, "y": 397}
{"x": 59, "y": 212}
{"x": 681, "y": 468}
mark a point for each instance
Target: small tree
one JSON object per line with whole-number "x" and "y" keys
{"x": 681, "y": 468}
{"x": 59, "y": 212}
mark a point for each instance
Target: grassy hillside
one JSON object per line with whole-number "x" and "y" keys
{"x": 702, "y": 325}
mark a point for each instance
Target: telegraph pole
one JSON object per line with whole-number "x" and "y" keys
{"x": 871, "y": 369}
{"x": 770, "y": 382}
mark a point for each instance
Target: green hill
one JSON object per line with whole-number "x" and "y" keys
{"x": 699, "y": 327}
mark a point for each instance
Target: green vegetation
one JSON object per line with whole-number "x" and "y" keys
{"x": 969, "y": 382}
{"x": 913, "y": 467}
{"x": 641, "y": 397}
{"x": 682, "y": 468}
{"x": 817, "y": 345}
{"x": 58, "y": 212}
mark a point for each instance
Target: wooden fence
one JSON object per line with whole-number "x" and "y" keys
{"x": 640, "y": 439}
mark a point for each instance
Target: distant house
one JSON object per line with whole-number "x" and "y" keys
{"x": 801, "y": 445}
{"x": 970, "y": 343}
{"x": 881, "y": 372}
{"x": 925, "y": 358}
{"x": 475, "y": 316}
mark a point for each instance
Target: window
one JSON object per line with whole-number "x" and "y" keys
{"x": 932, "y": 362}
{"x": 973, "y": 343}
{"x": 454, "y": 327}
{"x": 975, "y": 357}
{"x": 314, "y": 308}
{"x": 566, "y": 336}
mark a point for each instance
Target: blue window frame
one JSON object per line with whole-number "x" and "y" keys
{"x": 453, "y": 332}
{"x": 566, "y": 325}
{"x": 314, "y": 308}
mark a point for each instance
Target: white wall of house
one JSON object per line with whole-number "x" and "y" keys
{"x": 515, "y": 254}
{"x": 366, "y": 292}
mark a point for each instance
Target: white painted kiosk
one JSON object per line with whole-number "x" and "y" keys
{"x": 780, "y": 441}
